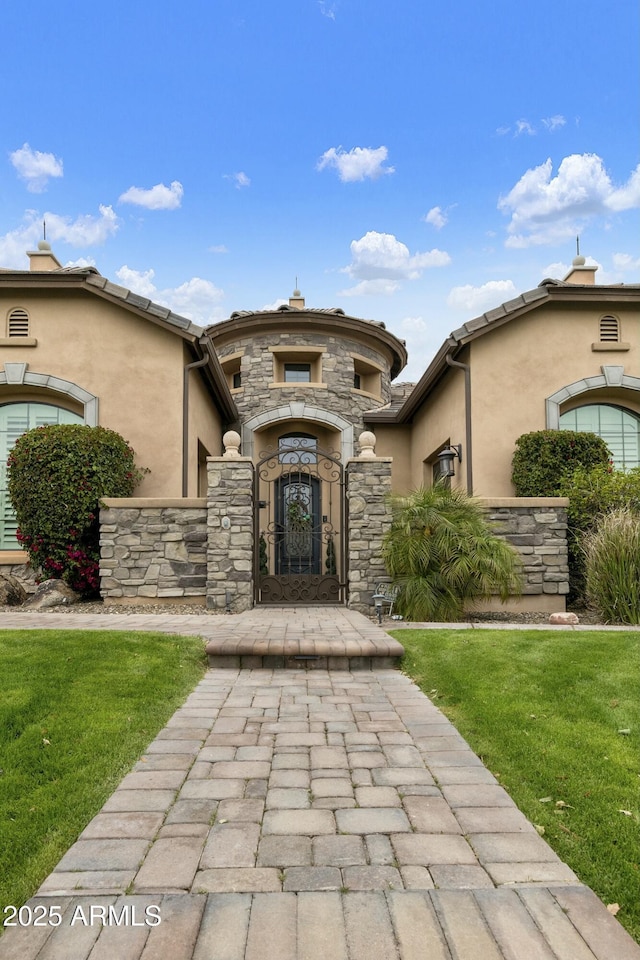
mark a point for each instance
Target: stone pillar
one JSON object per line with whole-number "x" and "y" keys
{"x": 369, "y": 518}
{"x": 230, "y": 587}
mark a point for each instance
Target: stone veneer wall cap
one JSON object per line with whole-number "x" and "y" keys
{"x": 524, "y": 501}
{"x": 228, "y": 459}
{"x": 140, "y": 503}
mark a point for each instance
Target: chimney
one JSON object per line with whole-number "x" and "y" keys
{"x": 296, "y": 300}
{"x": 43, "y": 259}
{"x": 581, "y": 272}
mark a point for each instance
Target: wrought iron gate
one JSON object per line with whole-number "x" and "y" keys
{"x": 299, "y": 524}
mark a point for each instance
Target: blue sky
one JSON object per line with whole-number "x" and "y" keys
{"x": 415, "y": 162}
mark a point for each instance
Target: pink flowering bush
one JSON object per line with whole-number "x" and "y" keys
{"x": 57, "y": 477}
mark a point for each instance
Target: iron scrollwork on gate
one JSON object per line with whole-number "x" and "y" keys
{"x": 299, "y": 497}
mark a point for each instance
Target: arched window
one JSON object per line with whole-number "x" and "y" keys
{"x": 299, "y": 448}
{"x": 619, "y": 428}
{"x": 15, "y": 419}
{"x": 18, "y": 323}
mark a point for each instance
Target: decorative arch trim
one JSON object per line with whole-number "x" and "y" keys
{"x": 612, "y": 376}
{"x": 298, "y": 410}
{"x": 17, "y": 374}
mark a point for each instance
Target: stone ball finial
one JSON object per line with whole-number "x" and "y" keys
{"x": 231, "y": 441}
{"x": 44, "y": 245}
{"x": 367, "y": 441}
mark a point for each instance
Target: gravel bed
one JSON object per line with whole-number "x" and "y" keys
{"x": 97, "y": 606}
{"x": 587, "y": 617}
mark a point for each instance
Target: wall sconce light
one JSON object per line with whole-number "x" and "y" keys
{"x": 447, "y": 457}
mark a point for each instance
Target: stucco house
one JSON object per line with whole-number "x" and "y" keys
{"x": 259, "y": 490}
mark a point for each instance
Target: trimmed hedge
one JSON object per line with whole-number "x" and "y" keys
{"x": 57, "y": 476}
{"x": 544, "y": 458}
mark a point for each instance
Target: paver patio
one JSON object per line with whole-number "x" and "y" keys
{"x": 369, "y": 831}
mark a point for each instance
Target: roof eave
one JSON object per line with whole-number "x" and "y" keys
{"x": 268, "y": 319}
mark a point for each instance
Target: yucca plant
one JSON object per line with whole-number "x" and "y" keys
{"x": 612, "y": 552}
{"x": 442, "y": 553}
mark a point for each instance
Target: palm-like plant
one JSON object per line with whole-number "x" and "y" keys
{"x": 441, "y": 553}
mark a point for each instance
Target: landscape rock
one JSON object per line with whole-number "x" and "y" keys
{"x": 52, "y": 593}
{"x": 12, "y": 593}
{"x": 564, "y": 618}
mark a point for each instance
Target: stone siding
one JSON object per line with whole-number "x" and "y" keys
{"x": 339, "y": 396}
{"x": 153, "y": 549}
{"x": 368, "y": 486}
{"x": 537, "y": 528}
{"x": 230, "y": 529}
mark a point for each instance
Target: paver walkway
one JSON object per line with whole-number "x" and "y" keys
{"x": 303, "y": 814}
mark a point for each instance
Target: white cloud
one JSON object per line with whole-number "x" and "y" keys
{"x": 220, "y": 248}
{"x": 436, "y": 217}
{"x": 371, "y": 288}
{"x": 480, "y": 299}
{"x": 35, "y": 168}
{"x": 380, "y": 262}
{"x": 81, "y": 262}
{"x": 327, "y": 9}
{"x": 547, "y": 209}
{"x": 159, "y": 197}
{"x": 240, "y": 179}
{"x": 556, "y": 270}
{"x": 195, "y": 299}
{"x": 624, "y": 262}
{"x": 523, "y": 126}
{"x": 628, "y": 196}
{"x": 14, "y": 245}
{"x": 274, "y": 306}
{"x": 359, "y": 163}
{"x": 84, "y": 231}
{"x": 554, "y": 123}
{"x": 413, "y": 324}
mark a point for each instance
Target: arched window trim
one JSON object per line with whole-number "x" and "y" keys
{"x": 612, "y": 376}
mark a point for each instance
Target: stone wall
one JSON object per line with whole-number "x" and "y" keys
{"x": 537, "y": 528}
{"x": 230, "y": 534}
{"x": 368, "y": 485}
{"x": 153, "y": 549}
{"x": 338, "y": 396}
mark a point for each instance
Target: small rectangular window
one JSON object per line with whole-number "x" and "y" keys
{"x": 357, "y": 381}
{"x": 297, "y": 373}
{"x": 237, "y": 380}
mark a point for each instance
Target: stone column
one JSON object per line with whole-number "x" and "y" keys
{"x": 369, "y": 518}
{"x": 230, "y": 587}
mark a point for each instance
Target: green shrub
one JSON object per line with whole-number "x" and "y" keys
{"x": 612, "y": 551}
{"x": 592, "y": 493}
{"x": 57, "y": 476}
{"x": 441, "y": 553}
{"x": 544, "y": 458}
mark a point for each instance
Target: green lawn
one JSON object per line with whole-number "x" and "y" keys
{"x": 76, "y": 711}
{"x": 556, "y": 717}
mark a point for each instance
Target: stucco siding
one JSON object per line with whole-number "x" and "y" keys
{"x": 517, "y": 366}
{"x": 133, "y": 367}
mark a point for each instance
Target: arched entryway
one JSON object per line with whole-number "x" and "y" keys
{"x": 299, "y": 510}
